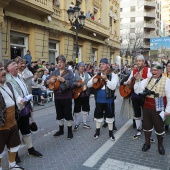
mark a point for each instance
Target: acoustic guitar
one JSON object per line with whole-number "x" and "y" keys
{"x": 54, "y": 86}
{"x": 77, "y": 90}
{"x": 125, "y": 90}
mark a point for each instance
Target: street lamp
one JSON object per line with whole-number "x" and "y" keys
{"x": 77, "y": 20}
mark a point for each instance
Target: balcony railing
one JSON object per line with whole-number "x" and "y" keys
{"x": 149, "y": 35}
{"x": 150, "y": 4}
{"x": 57, "y": 12}
{"x": 96, "y": 27}
{"x": 149, "y": 14}
{"x": 45, "y": 6}
{"x": 149, "y": 25}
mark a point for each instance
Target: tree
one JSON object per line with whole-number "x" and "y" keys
{"x": 132, "y": 38}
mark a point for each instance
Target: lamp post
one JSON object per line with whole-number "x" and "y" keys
{"x": 77, "y": 20}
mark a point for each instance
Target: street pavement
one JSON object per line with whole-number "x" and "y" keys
{"x": 83, "y": 152}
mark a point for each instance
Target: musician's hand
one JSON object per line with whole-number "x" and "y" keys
{"x": 137, "y": 76}
{"x": 166, "y": 114}
{"x": 104, "y": 77}
{"x": 52, "y": 80}
{"x": 59, "y": 78}
{"x": 95, "y": 80}
{"x": 129, "y": 82}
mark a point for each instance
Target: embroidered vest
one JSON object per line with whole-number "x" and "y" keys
{"x": 143, "y": 72}
{"x": 3, "y": 106}
{"x": 159, "y": 87}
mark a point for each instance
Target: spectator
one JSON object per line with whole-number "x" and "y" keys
{"x": 88, "y": 14}
{"x": 92, "y": 16}
{"x": 45, "y": 75}
{"x": 56, "y": 3}
{"x": 52, "y": 68}
{"x": 28, "y": 57}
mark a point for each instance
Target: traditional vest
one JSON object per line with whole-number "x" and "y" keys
{"x": 159, "y": 87}
{"x": 3, "y": 108}
{"x": 143, "y": 72}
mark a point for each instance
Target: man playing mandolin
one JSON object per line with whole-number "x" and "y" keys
{"x": 81, "y": 102}
{"x": 104, "y": 97}
{"x": 65, "y": 79}
{"x": 138, "y": 102}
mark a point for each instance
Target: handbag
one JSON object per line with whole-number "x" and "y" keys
{"x": 26, "y": 110}
{"x": 33, "y": 127}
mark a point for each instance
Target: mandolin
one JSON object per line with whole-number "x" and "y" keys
{"x": 54, "y": 86}
{"x": 125, "y": 90}
{"x": 77, "y": 90}
{"x": 100, "y": 82}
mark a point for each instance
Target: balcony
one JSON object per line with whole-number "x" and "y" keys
{"x": 149, "y": 4}
{"x": 150, "y": 25}
{"x": 149, "y": 35}
{"x": 42, "y": 7}
{"x": 148, "y": 14}
{"x": 96, "y": 27}
{"x": 57, "y": 12}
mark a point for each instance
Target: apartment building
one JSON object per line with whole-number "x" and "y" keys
{"x": 166, "y": 17}
{"x": 140, "y": 20}
{"x": 42, "y": 26}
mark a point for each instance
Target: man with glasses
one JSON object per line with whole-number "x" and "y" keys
{"x": 156, "y": 94}
{"x": 63, "y": 95}
{"x": 23, "y": 121}
{"x": 9, "y": 134}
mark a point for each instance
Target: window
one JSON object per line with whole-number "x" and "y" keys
{"x": 132, "y": 30}
{"x": 132, "y": 8}
{"x": 132, "y": 19}
{"x": 53, "y": 50}
{"x": 121, "y": 9}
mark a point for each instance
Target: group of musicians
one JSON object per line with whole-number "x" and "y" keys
{"x": 150, "y": 97}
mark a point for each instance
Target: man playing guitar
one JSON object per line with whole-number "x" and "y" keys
{"x": 137, "y": 102}
{"x": 82, "y": 102}
{"x": 63, "y": 95}
{"x": 104, "y": 98}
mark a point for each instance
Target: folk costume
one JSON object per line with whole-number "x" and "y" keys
{"x": 81, "y": 104}
{"x": 63, "y": 100}
{"x": 9, "y": 135}
{"x": 154, "y": 106}
{"x": 105, "y": 102}
{"x": 22, "y": 120}
{"x": 138, "y": 102}
{"x": 167, "y": 120}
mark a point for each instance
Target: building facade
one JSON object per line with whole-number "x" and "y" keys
{"x": 166, "y": 18}
{"x": 140, "y": 20}
{"x": 42, "y": 26}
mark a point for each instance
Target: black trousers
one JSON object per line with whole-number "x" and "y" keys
{"x": 23, "y": 125}
{"x": 64, "y": 109}
{"x": 137, "y": 104}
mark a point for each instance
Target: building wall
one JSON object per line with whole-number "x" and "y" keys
{"x": 30, "y": 24}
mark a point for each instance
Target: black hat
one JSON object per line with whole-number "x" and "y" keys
{"x": 33, "y": 127}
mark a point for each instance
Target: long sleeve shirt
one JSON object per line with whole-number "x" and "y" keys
{"x": 111, "y": 84}
{"x": 8, "y": 100}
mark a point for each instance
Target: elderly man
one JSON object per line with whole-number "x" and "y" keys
{"x": 23, "y": 120}
{"x": 9, "y": 134}
{"x": 156, "y": 93}
{"x": 104, "y": 98}
{"x": 137, "y": 102}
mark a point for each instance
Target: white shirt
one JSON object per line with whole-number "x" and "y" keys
{"x": 8, "y": 100}
{"x": 110, "y": 84}
{"x": 140, "y": 86}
